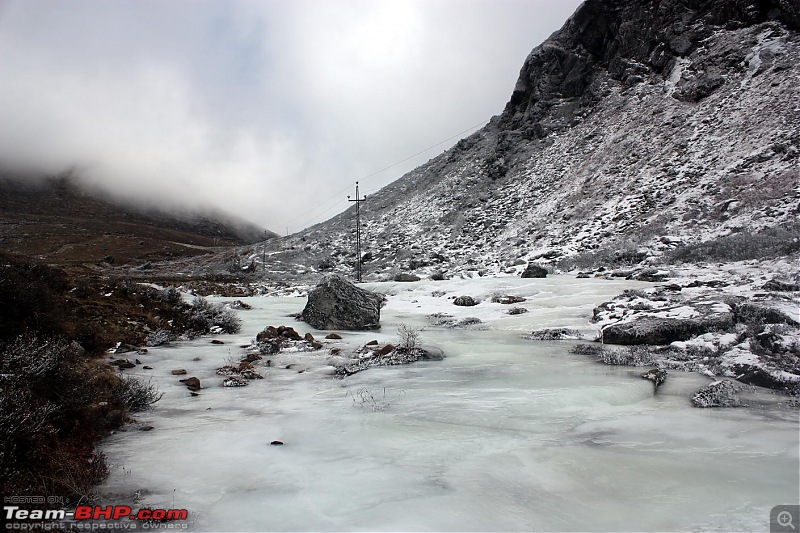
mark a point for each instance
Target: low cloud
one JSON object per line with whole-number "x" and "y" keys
{"x": 264, "y": 109}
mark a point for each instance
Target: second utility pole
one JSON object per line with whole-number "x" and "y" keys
{"x": 358, "y": 231}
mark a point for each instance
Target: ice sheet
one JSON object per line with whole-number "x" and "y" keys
{"x": 505, "y": 434}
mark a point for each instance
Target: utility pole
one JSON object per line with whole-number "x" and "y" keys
{"x": 264, "y": 253}
{"x": 358, "y": 201}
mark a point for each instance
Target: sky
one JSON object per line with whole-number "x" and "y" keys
{"x": 269, "y": 110}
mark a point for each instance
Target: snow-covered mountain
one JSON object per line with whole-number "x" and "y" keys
{"x": 639, "y": 124}
{"x": 638, "y": 119}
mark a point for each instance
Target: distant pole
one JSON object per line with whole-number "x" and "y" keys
{"x": 358, "y": 201}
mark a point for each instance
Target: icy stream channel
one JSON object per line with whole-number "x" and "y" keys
{"x": 505, "y": 434}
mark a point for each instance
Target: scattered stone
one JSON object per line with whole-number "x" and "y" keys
{"x": 336, "y": 351}
{"x": 517, "y": 311}
{"x": 281, "y": 332}
{"x": 385, "y": 350}
{"x": 234, "y": 381}
{"x": 146, "y": 428}
{"x": 438, "y": 276}
{"x": 721, "y": 393}
{"x": 652, "y": 275}
{"x": 398, "y": 356}
{"x": 145, "y": 367}
{"x": 215, "y": 341}
{"x": 507, "y": 299}
{"x": 276, "y": 443}
{"x": 534, "y": 271}
{"x": 333, "y": 336}
{"x": 372, "y": 343}
{"x": 780, "y": 286}
{"x": 238, "y": 304}
{"x": 554, "y": 334}
{"x": 138, "y": 362}
{"x": 657, "y": 376}
{"x": 309, "y": 337}
{"x": 123, "y": 364}
{"x": 582, "y": 275}
{"x": 465, "y": 301}
{"x": 335, "y": 303}
{"x": 192, "y": 383}
{"x": 405, "y": 277}
{"x": 179, "y": 372}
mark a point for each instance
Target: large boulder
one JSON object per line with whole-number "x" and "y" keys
{"x": 335, "y": 303}
{"x": 657, "y": 330}
{"x": 534, "y": 271}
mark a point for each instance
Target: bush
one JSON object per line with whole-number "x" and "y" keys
{"x": 205, "y": 315}
{"x": 136, "y": 395}
{"x": 55, "y": 405}
{"x": 159, "y": 338}
{"x": 170, "y": 295}
{"x": 771, "y": 242}
{"x": 409, "y": 338}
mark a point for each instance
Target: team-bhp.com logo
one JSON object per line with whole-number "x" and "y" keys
{"x": 94, "y": 517}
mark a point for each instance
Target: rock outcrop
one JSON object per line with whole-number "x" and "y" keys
{"x": 335, "y": 303}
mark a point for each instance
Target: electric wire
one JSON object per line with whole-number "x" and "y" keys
{"x": 309, "y": 214}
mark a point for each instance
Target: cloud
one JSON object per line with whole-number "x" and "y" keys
{"x": 266, "y": 109}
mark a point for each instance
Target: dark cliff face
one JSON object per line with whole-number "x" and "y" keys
{"x": 627, "y": 39}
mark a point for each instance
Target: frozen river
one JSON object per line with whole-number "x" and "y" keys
{"x": 505, "y": 434}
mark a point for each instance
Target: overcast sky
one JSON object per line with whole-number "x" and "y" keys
{"x": 266, "y": 109}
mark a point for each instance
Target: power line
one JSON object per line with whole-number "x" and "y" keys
{"x": 333, "y": 197}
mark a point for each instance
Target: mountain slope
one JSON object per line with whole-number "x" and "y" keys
{"x": 639, "y": 119}
{"x": 56, "y": 220}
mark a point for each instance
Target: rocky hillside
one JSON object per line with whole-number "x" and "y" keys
{"x": 57, "y": 220}
{"x": 641, "y": 123}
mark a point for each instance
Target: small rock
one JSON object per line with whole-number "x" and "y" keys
{"x": 372, "y": 343}
{"x": 333, "y": 336}
{"x": 717, "y": 394}
{"x": 276, "y": 443}
{"x": 179, "y": 372}
{"x": 465, "y": 301}
{"x": 234, "y": 381}
{"x": 507, "y": 299}
{"x": 192, "y": 383}
{"x": 517, "y": 311}
{"x": 657, "y": 376}
{"x": 123, "y": 363}
{"x": 389, "y": 348}
{"x": 215, "y": 341}
{"x": 145, "y": 367}
{"x": 146, "y": 428}
{"x": 405, "y": 277}
{"x": 138, "y": 362}
{"x": 309, "y": 337}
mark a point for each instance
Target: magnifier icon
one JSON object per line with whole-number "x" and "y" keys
{"x": 785, "y": 519}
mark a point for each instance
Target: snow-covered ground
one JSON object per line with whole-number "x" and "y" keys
{"x": 503, "y": 434}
